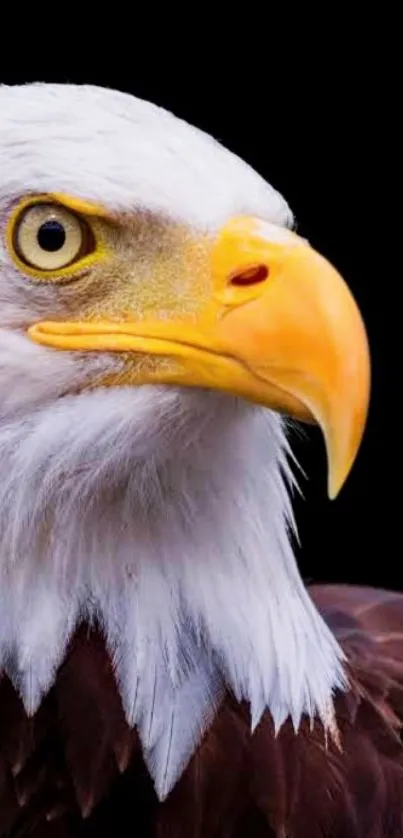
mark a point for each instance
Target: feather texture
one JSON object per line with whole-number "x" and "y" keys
{"x": 163, "y": 515}
{"x": 76, "y": 768}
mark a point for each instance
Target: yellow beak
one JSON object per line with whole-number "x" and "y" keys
{"x": 280, "y": 329}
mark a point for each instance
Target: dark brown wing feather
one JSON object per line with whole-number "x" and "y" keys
{"x": 77, "y": 770}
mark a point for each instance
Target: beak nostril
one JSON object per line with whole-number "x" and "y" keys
{"x": 250, "y": 276}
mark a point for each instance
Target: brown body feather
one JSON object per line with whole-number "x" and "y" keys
{"x": 76, "y": 771}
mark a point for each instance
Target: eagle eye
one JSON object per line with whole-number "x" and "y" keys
{"x": 48, "y": 238}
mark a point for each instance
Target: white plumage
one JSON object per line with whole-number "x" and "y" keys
{"x": 127, "y": 154}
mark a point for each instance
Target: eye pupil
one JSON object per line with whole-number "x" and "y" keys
{"x": 51, "y": 236}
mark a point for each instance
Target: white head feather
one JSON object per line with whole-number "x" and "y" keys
{"x": 161, "y": 513}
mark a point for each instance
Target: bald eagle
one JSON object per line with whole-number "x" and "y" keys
{"x": 163, "y": 669}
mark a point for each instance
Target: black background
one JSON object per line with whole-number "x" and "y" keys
{"x": 317, "y": 125}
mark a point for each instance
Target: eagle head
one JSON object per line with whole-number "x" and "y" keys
{"x": 158, "y": 320}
